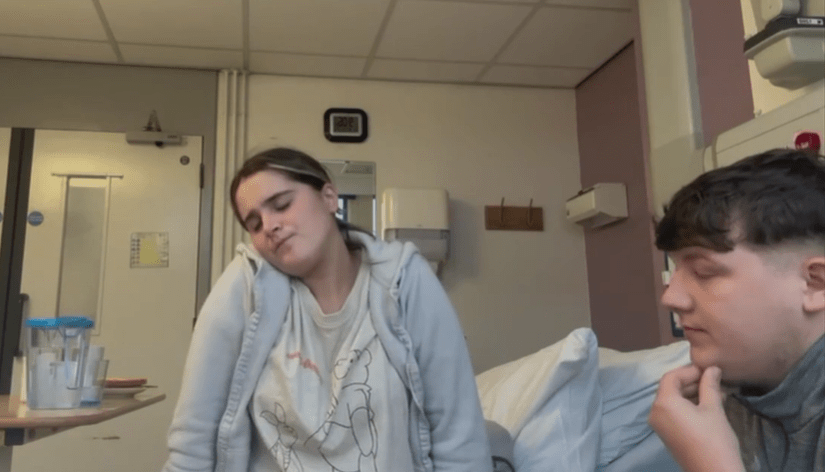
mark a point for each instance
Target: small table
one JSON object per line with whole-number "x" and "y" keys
{"x": 20, "y": 425}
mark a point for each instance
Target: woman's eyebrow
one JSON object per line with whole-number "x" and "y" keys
{"x": 277, "y": 196}
{"x": 255, "y": 214}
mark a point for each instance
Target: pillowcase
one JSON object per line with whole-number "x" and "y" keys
{"x": 629, "y": 381}
{"x": 550, "y": 403}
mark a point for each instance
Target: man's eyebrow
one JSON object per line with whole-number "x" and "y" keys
{"x": 255, "y": 214}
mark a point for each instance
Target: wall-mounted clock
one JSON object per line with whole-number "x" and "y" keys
{"x": 345, "y": 125}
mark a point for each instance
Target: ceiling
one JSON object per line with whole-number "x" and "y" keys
{"x": 539, "y": 43}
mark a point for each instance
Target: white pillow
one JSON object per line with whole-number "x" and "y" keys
{"x": 550, "y": 402}
{"x": 629, "y": 381}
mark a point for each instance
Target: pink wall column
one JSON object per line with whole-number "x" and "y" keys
{"x": 623, "y": 264}
{"x": 724, "y": 82}
{"x": 620, "y": 268}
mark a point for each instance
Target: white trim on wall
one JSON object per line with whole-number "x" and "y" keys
{"x": 230, "y": 151}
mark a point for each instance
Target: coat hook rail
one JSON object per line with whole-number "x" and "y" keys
{"x": 518, "y": 218}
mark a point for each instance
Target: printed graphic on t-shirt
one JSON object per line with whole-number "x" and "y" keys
{"x": 348, "y": 438}
{"x": 286, "y": 438}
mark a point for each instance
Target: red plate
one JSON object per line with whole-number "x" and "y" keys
{"x": 124, "y": 382}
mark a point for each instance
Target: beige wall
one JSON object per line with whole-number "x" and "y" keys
{"x": 674, "y": 120}
{"x": 515, "y": 292}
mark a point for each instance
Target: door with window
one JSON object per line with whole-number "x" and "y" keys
{"x": 112, "y": 234}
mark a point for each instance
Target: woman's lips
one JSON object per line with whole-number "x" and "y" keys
{"x": 279, "y": 243}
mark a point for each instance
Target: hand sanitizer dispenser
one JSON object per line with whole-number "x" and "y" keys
{"x": 420, "y": 216}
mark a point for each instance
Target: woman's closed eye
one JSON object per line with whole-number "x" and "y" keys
{"x": 253, "y": 224}
{"x": 280, "y": 201}
{"x": 279, "y": 206}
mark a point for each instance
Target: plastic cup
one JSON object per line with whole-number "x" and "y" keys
{"x": 93, "y": 390}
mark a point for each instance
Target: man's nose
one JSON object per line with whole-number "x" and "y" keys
{"x": 675, "y": 297}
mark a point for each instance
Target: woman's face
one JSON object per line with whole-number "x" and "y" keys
{"x": 290, "y": 223}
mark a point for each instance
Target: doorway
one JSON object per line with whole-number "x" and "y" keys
{"x": 111, "y": 232}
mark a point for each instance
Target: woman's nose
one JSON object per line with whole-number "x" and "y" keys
{"x": 271, "y": 223}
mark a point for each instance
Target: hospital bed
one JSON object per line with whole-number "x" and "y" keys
{"x": 576, "y": 407}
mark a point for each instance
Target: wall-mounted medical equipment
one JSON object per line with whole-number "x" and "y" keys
{"x": 789, "y": 48}
{"x": 421, "y": 216}
{"x": 792, "y": 125}
{"x": 522, "y": 218}
{"x": 599, "y": 205}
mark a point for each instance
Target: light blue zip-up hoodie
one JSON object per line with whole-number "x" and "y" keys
{"x": 240, "y": 322}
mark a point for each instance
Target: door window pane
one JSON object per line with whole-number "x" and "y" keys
{"x": 80, "y": 268}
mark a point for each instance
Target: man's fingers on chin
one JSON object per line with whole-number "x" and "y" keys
{"x": 691, "y": 392}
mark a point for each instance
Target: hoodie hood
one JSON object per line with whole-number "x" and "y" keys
{"x": 386, "y": 259}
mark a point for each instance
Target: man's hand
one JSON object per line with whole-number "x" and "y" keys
{"x": 697, "y": 433}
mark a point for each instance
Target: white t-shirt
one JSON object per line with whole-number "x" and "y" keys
{"x": 328, "y": 398}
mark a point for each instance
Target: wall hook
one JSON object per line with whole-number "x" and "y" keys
{"x": 527, "y": 218}
{"x": 530, "y": 213}
{"x": 501, "y": 215}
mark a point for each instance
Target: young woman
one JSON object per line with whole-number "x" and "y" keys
{"x": 321, "y": 348}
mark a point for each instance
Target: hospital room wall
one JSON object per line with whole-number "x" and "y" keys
{"x": 621, "y": 258}
{"x": 515, "y": 291}
{"x": 687, "y": 72}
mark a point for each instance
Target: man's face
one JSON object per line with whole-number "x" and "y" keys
{"x": 741, "y": 311}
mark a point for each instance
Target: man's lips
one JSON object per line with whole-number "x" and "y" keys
{"x": 690, "y": 328}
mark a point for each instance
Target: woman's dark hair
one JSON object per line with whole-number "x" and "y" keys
{"x": 297, "y": 166}
{"x": 763, "y": 200}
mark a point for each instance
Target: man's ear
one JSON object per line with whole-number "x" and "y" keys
{"x": 330, "y": 196}
{"x": 814, "y": 272}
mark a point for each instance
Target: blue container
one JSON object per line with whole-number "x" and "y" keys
{"x": 55, "y": 360}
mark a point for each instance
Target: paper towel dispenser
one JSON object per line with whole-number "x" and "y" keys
{"x": 598, "y": 205}
{"x": 418, "y": 215}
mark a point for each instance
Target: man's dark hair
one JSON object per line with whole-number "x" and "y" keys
{"x": 762, "y": 200}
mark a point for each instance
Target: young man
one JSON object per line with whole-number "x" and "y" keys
{"x": 748, "y": 241}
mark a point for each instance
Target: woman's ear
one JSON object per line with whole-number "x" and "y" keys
{"x": 814, "y": 271}
{"x": 330, "y": 196}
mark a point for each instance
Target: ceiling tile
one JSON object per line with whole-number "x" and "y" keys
{"x": 176, "y": 22}
{"x": 449, "y": 30}
{"x": 614, "y": 4}
{"x": 541, "y": 76}
{"x": 570, "y": 37}
{"x": 422, "y": 70}
{"x": 311, "y": 65}
{"x": 70, "y": 19}
{"x": 315, "y": 26}
{"x": 181, "y": 57}
{"x": 57, "y": 49}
